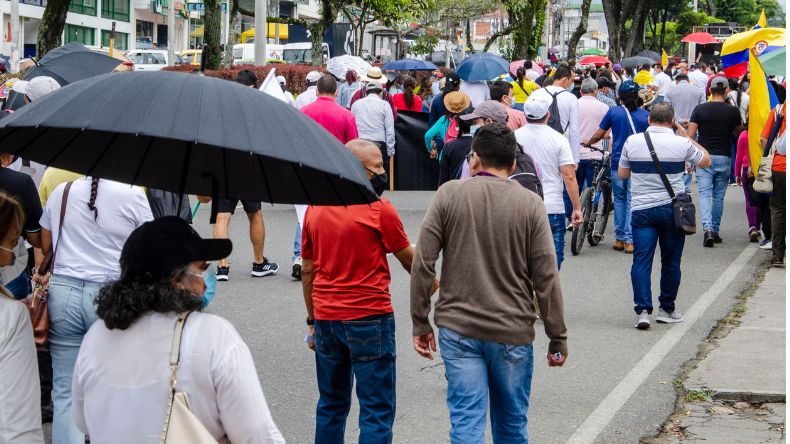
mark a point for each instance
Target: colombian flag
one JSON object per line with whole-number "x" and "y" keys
{"x": 735, "y": 51}
{"x": 762, "y": 101}
{"x": 761, "y": 23}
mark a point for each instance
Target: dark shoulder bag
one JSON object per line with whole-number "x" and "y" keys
{"x": 682, "y": 206}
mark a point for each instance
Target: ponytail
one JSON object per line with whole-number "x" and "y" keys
{"x": 92, "y": 201}
{"x": 520, "y": 73}
{"x": 408, "y": 90}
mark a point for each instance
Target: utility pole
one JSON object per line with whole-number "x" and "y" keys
{"x": 261, "y": 31}
{"x": 16, "y": 52}
{"x": 171, "y": 33}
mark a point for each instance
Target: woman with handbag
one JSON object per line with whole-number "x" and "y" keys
{"x": 84, "y": 226}
{"x": 20, "y": 409}
{"x": 153, "y": 350}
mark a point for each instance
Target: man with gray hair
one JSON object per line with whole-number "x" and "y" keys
{"x": 591, "y": 112}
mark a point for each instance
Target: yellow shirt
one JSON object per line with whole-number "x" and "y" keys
{"x": 51, "y": 179}
{"x": 644, "y": 78}
{"x": 520, "y": 94}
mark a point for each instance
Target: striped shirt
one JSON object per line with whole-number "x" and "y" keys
{"x": 606, "y": 100}
{"x": 647, "y": 188}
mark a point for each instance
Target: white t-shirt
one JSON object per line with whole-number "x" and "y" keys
{"x": 478, "y": 92}
{"x": 124, "y": 374}
{"x": 663, "y": 83}
{"x": 91, "y": 249}
{"x": 20, "y": 396}
{"x": 550, "y": 150}
{"x": 698, "y": 79}
{"x": 307, "y": 97}
{"x": 568, "y": 105}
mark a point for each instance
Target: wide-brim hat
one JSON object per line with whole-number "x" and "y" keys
{"x": 456, "y": 102}
{"x": 374, "y": 74}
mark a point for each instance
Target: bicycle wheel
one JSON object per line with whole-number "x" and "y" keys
{"x": 595, "y": 235}
{"x": 579, "y": 231}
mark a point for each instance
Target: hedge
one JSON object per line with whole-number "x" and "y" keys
{"x": 294, "y": 73}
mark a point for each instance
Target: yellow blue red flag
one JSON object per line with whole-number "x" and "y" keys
{"x": 762, "y": 100}
{"x": 762, "y": 21}
{"x": 735, "y": 51}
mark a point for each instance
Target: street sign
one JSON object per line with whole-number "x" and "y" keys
{"x": 201, "y": 7}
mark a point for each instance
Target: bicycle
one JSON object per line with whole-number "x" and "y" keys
{"x": 596, "y": 201}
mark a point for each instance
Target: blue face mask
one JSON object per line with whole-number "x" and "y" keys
{"x": 210, "y": 279}
{"x": 512, "y": 102}
{"x": 473, "y": 129}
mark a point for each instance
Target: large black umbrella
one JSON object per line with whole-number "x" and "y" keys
{"x": 636, "y": 61}
{"x": 187, "y": 134}
{"x": 67, "y": 64}
{"x": 652, "y": 55}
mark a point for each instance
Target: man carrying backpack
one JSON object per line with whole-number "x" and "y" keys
{"x": 563, "y": 116}
{"x": 553, "y": 156}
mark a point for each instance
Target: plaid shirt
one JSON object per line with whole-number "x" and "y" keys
{"x": 606, "y": 100}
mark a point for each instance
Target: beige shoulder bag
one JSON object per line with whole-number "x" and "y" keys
{"x": 181, "y": 426}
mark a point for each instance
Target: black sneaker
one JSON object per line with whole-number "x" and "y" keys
{"x": 754, "y": 234}
{"x": 716, "y": 238}
{"x": 296, "y": 270}
{"x": 222, "y": 273}
{"x": 264, "y": 269}
{"x": 707, "y": 240}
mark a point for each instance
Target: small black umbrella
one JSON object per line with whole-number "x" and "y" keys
{"x": 187, "y": 134}
{"x": 636, "y": 61}
{"x": 67, "y": 64}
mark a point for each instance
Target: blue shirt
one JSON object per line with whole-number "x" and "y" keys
{"x": 617, "y": 120}
{"x": 437, "y": 110}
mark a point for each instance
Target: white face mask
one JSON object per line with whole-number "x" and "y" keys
{"x": 11, "y": 272}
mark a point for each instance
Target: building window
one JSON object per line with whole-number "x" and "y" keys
{"x": 80, "y": 34}
{"x": 86, "y": 7}
{"x": 115, "y": 10}
{"x": 121, "y": 40}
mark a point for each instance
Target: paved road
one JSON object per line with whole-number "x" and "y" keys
{"x": 604, "y": 346}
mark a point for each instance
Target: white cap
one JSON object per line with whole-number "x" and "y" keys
{"x": 313, "y": 76}
{"x": 536, "y": 108}
{"x": 281, "y": 80}
{"x": 37, "y": 87}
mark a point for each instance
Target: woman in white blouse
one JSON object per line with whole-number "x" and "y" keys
{"x": 121, "y": 379}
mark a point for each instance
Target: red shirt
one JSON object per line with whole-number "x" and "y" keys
{"x": 400, "y": 103}
{"x": 348, "y": 246}
{"x": 333, "y": 117}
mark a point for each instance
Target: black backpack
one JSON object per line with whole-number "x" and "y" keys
{"x": 526, "y": 174}
{"x": 555, "y": 122}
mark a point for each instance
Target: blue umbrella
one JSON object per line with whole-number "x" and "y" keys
{"x": 481, "y": 67}
{"x": 409, "y": 65}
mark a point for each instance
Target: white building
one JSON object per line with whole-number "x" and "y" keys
{"x": 597, "y": 35}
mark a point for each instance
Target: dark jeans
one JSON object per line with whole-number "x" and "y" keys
{"x": 362, "y": 349}
{"x": 585, "y": 174}
{"x": 778, "y": 214}
{"x": 650, "y": 227}
{"x": 558, "y": 230}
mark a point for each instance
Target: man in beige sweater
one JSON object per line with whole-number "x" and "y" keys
{"x": 494, "y": 229}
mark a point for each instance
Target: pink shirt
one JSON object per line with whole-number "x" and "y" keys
{"x": 333, "y": 117}
{"x": 742, "y": 153}
{"x": 515, "y": 118}
{"x": 591, "y": 112}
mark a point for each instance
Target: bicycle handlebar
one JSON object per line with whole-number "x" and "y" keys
{"x": 594, "y": 148}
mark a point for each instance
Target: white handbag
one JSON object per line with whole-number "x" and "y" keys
{"x": 181, "y": 426}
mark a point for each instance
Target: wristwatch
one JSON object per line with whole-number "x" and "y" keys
{"x": 310, "y": 322}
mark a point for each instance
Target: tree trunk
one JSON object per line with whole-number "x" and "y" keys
{"x": 580, "y": 29}
{"x": 637, "y": 34}
{"x": 521, "y": 15}
{"x": 212, "y": 27}
{"x": 537, "y": 29}
{"x": 612, "y": 13}
{"x": 51, "y": 28}
{"x": 664, "y": 27}
{"x": 235, "y": 19}
{"x": 495, "y": 36}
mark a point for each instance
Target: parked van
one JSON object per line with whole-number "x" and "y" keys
{"x": 303, "y": 52}
{"x": 244, "y": 53}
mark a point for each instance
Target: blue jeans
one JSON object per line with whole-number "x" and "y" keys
{"x": 297, "y": 242}
{"x": 711, "y": 185}
{"x": 558, "y": 230}
{"x": 621, "y": 190}
{"x": 478, "y": 371}
{"x": 585, "y": 173}
{"x": 687, "y": 179}
{"x": 20, "y": 286}
{"x": 651, "y": 226}
{"x": 71, "y": 313}
{"x": 362, "y": 349}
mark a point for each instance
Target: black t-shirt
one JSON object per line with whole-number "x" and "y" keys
{"x": 453, "y": 158}
{"x": 716, "y": 121}
{"x": 21, "y": 186}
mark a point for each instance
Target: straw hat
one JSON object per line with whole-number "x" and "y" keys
{"x": 374, "y": 74}
{"x": 456, "y": 102}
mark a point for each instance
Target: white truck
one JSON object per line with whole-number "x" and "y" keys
{"x": 303, "y": 52}
{"x": 244, "y": 53}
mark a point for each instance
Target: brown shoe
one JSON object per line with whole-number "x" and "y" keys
{"x": 618, "y": 245}
{"x": 629, "y": 248}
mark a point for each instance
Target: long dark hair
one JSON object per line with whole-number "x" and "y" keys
{"x": 408, "y": 90}
{"x": 12, "y": 215}
{"x": 630, "y": 100}
{"x": 120, "y": 303}
{"x": 92, "y": 201}
{"x": 520, "y": 73}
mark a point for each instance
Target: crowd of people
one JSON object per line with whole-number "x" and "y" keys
{"x": 129, "y": 268}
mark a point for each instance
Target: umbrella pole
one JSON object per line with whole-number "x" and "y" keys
{"x": 392, "y": 173}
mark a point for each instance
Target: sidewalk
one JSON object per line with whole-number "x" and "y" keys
{"x": 737, "y": 393}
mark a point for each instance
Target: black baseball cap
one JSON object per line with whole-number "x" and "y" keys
{"x": 157, "y": 248}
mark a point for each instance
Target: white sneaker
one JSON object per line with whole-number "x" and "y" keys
{"x": 767, "y": 245}
{"x": 643, "y": 320}
{"x": 668, "y": 318}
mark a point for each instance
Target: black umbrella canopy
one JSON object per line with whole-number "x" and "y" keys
{"x": 636, "y": 61}
{"x": 187, "y": 134}
{"x": 652, "y": 55}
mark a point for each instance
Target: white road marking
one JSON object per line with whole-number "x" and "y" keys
{"x": 603, "y": 414}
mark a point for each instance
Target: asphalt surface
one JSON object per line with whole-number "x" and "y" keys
{"x": 603, "y": 344}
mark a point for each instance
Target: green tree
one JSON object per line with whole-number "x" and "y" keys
{"x": 581, "y": 28}
{"x": 525, "y": 22}
{"x": 744, "y": 12}
{"x": 212, "y": 25}
{"x": 622, "y": 41}
{"x": 51, "y": 28}
{"x": 774, "y": 12}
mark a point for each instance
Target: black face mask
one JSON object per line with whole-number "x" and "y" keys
{"x": 380, "y": 182}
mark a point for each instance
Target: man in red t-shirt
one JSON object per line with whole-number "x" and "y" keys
{"x": 778, "y": 177}
{"x": 345, "y": 277}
